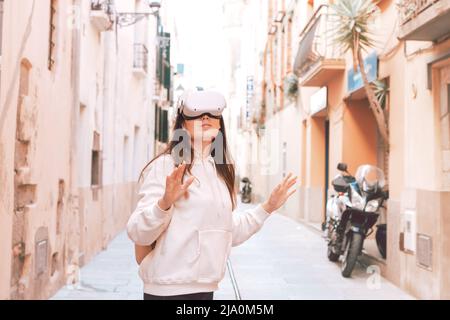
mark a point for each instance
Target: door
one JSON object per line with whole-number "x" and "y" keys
{"x": 444, "y": 102}
{"x": 327, "y": 163}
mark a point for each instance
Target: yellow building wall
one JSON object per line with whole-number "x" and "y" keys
{"x": 359, "y": 135}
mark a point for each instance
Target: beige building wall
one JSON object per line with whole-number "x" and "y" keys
{"x": 53, "y": 217}
{"x": 418, "y": 161}
{"x": 115, "y": 103}
{"x": 417, "y": 171}
{"x": 36, "y": 198}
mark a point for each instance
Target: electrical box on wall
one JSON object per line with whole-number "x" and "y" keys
{"x": 424, "y": 251}
{"x": 409, "y": 227}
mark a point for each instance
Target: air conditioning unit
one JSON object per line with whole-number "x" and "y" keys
{"x": 99, "y": 16}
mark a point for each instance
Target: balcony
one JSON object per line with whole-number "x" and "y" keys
{"x": 100, "y": 15}
{"x": 140, "y": 59}
{"x": 424, "y": 20}
{"x": 318, "y": 59}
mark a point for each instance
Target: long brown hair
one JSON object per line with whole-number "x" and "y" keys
{"x": 224, "y": 167}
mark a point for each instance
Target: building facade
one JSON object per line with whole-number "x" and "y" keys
{"x": 77, "y": 101}
{"x": 325, "y": 119}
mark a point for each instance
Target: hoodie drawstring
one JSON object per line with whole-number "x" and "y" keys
{"x": 218, "y": 186}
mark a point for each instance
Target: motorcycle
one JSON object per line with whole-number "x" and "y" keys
{"x": 352, "y": 212}
{"x": 246, "y": 192}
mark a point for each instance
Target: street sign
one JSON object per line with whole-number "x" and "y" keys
{"x": 354, "y": 79}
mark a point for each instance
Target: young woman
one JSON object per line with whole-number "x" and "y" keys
{"x": 185, "y": 212}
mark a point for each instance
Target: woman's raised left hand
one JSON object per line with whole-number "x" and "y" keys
{"x": 280, "y": 194}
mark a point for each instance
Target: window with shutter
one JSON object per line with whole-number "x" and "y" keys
{"x": 166, "y": 62}
{"x": 157, "y": 123}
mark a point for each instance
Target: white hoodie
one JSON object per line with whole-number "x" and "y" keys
{"x": 194, "y": 236}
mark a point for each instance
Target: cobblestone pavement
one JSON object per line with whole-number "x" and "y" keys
{"x": 285, "y": 260}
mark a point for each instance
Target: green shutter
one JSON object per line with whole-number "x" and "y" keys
{"x": 166, "y": 63}
{"x": 159, "y": 52}
{"x": 156, "y": 123}
{"x": 164, "y": 126}
{"x": 161, "y": 125}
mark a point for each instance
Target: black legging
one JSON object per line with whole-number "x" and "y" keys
{"x": 190, "y": 296}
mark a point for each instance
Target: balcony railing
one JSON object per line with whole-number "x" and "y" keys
{"x": 426, "y": 20}
{"x": 317, "y": 51}
{"x": 140, "y": 57}
{"x": 410, "y": 9}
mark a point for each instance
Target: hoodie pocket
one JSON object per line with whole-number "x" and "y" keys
{"x": 144, "y": 266}
{"x": 175, "y": 262}
{"x": 214, "y": 248}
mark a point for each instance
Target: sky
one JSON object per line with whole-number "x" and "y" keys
{"x": 201, "y": 39}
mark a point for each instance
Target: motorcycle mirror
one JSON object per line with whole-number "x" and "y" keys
{"x": 342, "y": 166}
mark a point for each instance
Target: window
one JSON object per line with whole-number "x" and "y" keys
{"x": 96, "y": 161}
{"x": 157, "y": 113}
{"x": 95, "y": 178}
{"x": 52, "y": 35}
{"x": 136, "y": 151}
{"x": 161, "y": 125}
{"x": 166, "y": 80}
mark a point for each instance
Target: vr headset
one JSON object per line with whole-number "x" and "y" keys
{"x": 194, "y": 104}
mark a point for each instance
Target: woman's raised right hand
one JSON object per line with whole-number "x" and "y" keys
{"x": 174, "y": 187}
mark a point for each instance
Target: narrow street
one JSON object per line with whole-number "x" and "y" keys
{"x": 285, "y": 260}
{"x": 345, "y": 102}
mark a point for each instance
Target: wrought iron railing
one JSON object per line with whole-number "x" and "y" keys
{"x": 316, "y": 41}
{"x": 140, "y": 56}
{"x": 409, "y": 9}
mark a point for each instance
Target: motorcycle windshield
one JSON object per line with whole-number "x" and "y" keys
{"x": 370, "y": 178}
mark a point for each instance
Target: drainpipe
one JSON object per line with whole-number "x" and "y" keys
{"x": 109, "y": 116}
{"x": 73, "y": 165}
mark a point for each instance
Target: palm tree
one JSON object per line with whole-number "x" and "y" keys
{"x": 352, "y": 28}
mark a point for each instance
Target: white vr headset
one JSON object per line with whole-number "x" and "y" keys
{"x": 195, "y": 104}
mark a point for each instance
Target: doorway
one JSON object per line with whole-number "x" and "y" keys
{"x": 444, "y": 116}
{"x": 327, "y": 166}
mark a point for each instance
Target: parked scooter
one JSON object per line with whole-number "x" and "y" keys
{"x": 246, "y": 192}
{"x": 352, "y": 213}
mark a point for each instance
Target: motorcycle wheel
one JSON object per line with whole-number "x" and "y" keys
{"x": 331, "y": 236}
{"x": 352, "y": 250}
{"x": 333, "y": 257}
